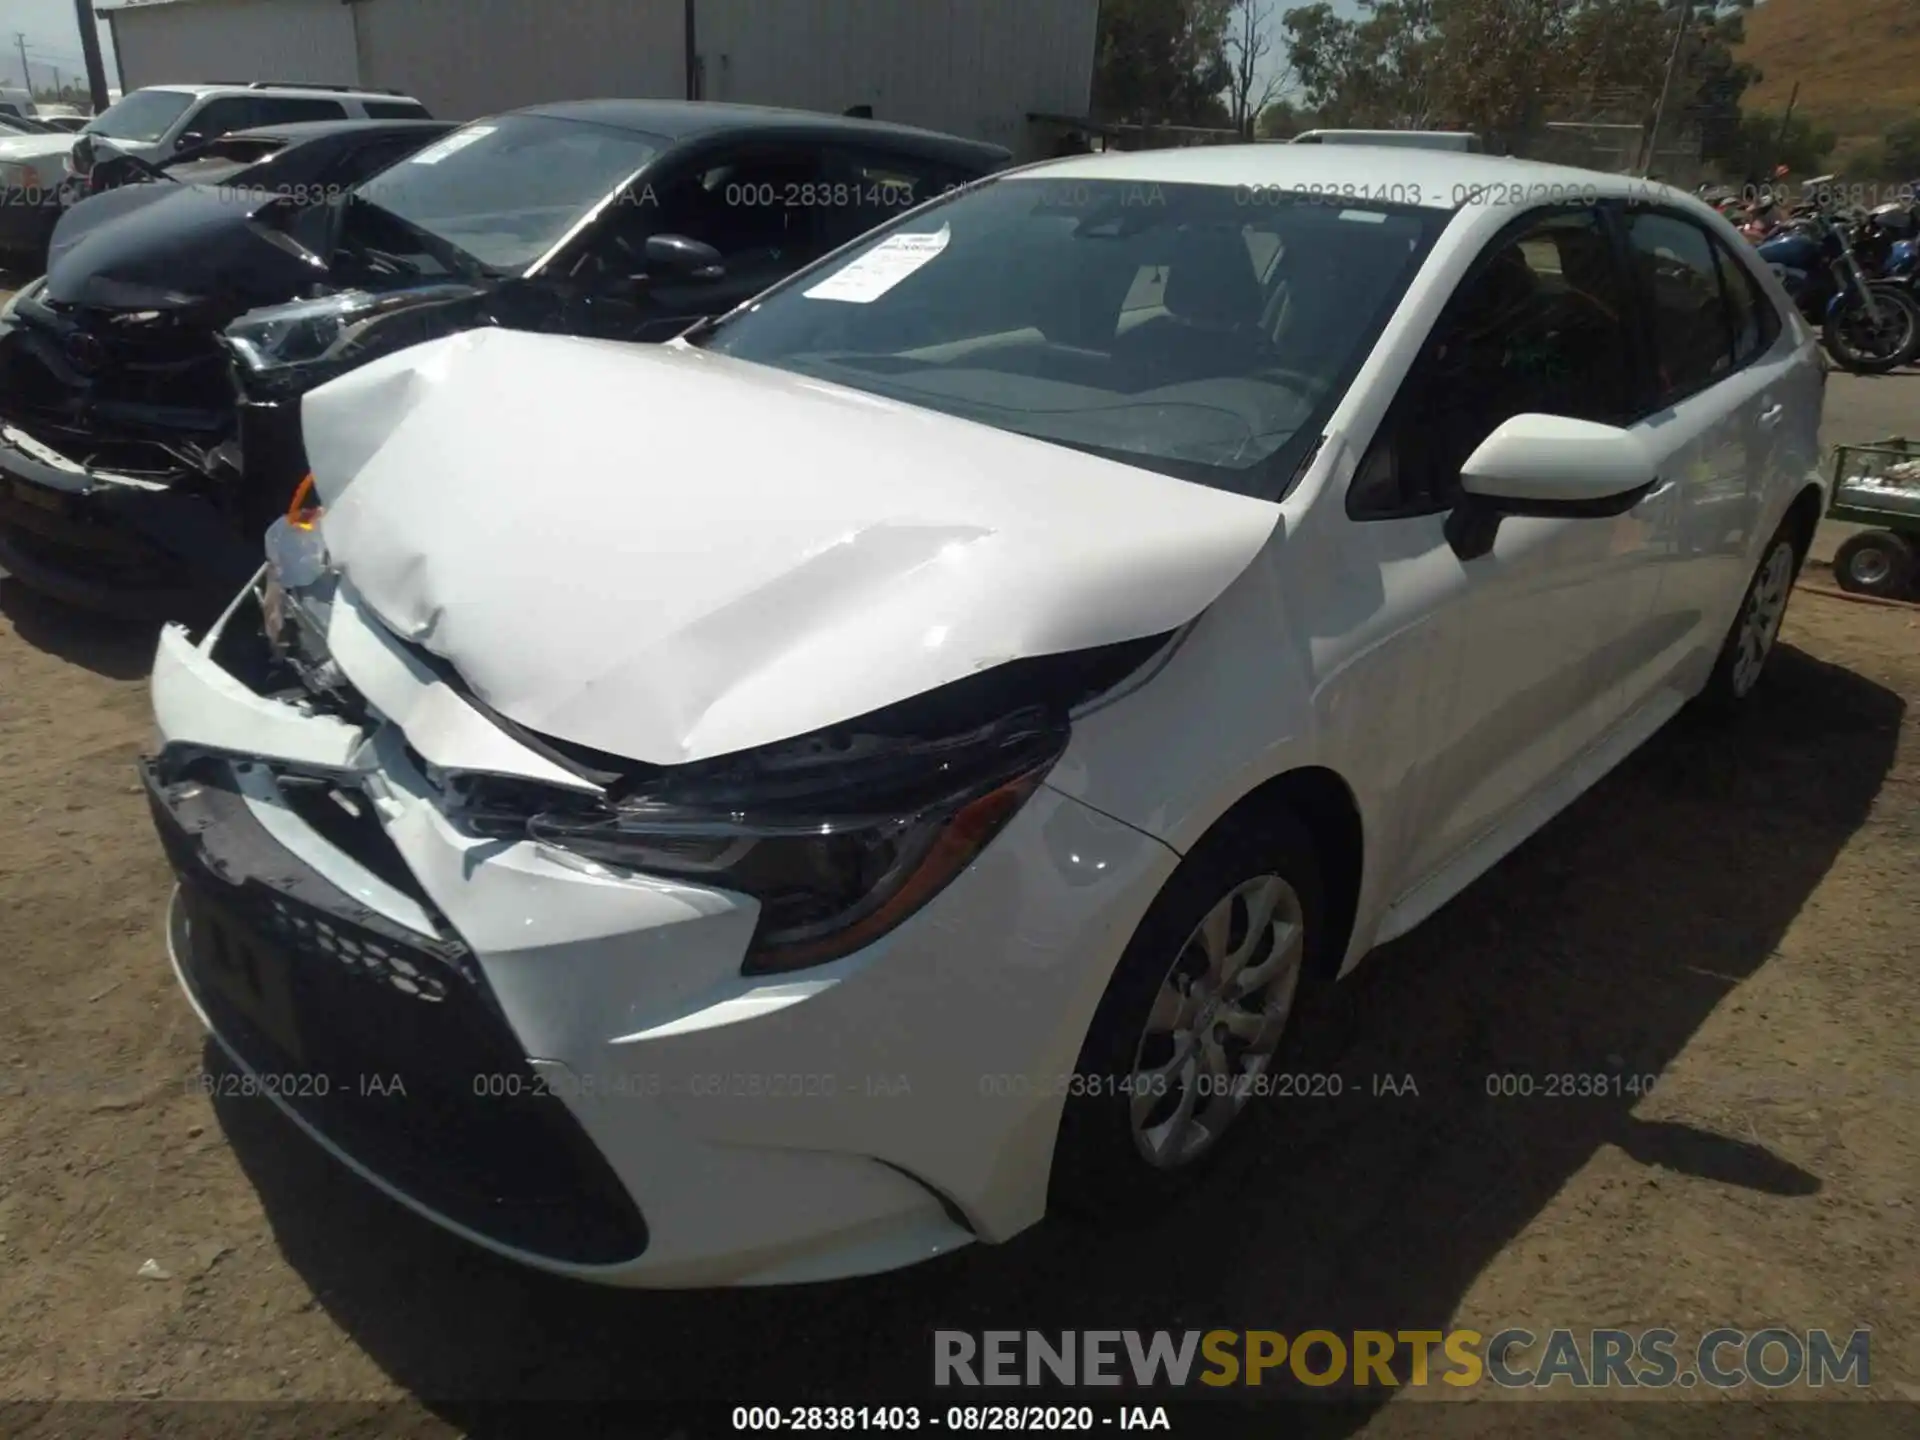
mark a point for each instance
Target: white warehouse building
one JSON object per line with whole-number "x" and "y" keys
{"x": 977, "y": 68}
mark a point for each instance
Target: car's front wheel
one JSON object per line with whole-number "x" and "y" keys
{"x": 1203, "y": 1005}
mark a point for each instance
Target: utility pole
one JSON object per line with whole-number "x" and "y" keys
{"x": 26, "y": 75}
{"x": 90, "y": 48}
{"x": 693, "y": 51}
{"x": 1666, "y": 85}
{"x": 1787, "y": 119}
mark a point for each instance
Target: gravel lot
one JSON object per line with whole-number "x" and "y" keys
{"x": 1737, "y": 913}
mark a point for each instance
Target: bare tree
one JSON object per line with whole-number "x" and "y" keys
{"x": 1248, "y": 43}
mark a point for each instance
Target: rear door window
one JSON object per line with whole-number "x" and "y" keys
{"x": 395, "y": 110}
{"x": 289, "y": 110}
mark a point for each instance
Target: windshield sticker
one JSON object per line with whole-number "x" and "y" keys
{"x": 1364, "y": 217}
{"x": 453, "y": 144}
{"x": 881, "y": 268}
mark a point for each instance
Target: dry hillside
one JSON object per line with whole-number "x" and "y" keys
{"x": 1857, "y": 61}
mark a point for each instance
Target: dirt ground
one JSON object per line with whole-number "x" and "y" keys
{"x": 1736, "y": 913}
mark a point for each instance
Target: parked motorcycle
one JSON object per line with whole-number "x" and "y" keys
{"x": 1869, "y": 326}
{"x": 1888, "y": 244}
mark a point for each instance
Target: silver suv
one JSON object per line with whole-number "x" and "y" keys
{"x": 158, "y": 122}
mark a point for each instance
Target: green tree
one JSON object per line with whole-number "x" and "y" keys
{"x": 1763, "y": 141}
{"x": 1377, "y": 71}
{"x": 1282, "y": 119}
{"x": 1162, "y": 60}
{"x": 1503, "y": 67}
{"x": 1717, "y": 81}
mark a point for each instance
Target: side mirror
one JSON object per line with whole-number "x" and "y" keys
{"x": 1547, "y": 465}
{"x": 187, "y": 139}
{"x": 688, "y": 258}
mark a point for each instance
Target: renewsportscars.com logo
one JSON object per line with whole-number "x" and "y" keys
{"x": 1515, "y": 1359}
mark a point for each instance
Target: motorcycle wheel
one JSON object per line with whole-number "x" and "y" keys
{"x": 1857, "y": 345}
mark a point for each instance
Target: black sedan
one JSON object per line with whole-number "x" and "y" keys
{"x": 131, "y": 477}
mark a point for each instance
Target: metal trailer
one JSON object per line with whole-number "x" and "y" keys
{"x": 1878, "y": 485}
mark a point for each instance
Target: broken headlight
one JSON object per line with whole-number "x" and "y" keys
{"x": 326, "y": 331}
{"x": 840, "y": 840}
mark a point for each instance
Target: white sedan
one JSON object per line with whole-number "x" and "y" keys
{"x": 912, "y": 755}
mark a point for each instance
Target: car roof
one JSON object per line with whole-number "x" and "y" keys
{"x": 682, "y": 120}
{"x": 1408, "y": 175}
{"x": 279, "y": 92}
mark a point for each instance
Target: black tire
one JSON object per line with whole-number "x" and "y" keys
{"x": 1099, "y": 1169}
{"x": 1733, "y": 681}
{"x": 1877, "y": 359}
{"x": 1877, "y": 562}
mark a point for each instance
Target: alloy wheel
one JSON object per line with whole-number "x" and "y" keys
{"x": 1216, "y": 1021}
{"x": 1760, "y": 621}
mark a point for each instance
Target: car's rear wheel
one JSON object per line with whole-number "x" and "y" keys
{"x": 1749, "y": 644}
{"x": 1202, "y": 1007}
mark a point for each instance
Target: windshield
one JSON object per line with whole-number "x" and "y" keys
{"x": 143, "y": 116}
{"x": 507, "y": 190}
{"x": 1198, "y": 330}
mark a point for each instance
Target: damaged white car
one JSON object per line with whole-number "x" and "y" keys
{"x": 908, "y": 755}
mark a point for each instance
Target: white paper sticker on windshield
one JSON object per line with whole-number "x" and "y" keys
{"x": 453, "y": 144}
{"x": 881, "y": 268}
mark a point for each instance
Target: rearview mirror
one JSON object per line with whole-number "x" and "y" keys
{"x": 688, "y": 258}
{"x": 1547, "y": 465}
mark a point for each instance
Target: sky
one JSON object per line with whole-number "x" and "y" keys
{"x": 53, "y": 42}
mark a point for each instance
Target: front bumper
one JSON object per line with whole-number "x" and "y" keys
{"x": 112, "y": 543}
{"x": 837, "y": 1121}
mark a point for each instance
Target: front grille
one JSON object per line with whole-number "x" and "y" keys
{"x": 114, "y": 391}
{"x": 390, "y": 1044}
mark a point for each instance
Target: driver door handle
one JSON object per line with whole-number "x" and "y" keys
{"x": 1772, "y": 416}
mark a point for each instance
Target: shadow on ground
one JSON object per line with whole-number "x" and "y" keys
{"x": 1601, "y": 946}
{"x": 116, "y": 649}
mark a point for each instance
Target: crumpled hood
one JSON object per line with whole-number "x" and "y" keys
{"x": 667, "y": 554}
{"x": 160, "y": 245}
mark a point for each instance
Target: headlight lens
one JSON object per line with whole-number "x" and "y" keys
{"x": 326, "y": 330}
{"x": 840, "y": 842}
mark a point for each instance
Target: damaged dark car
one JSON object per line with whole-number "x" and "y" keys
{"x": 150, "y": 385}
